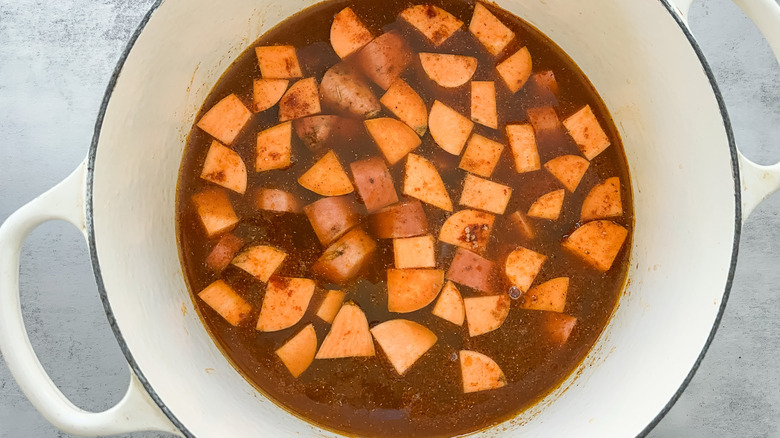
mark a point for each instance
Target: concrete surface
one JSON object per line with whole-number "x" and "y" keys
{"x": 55, "y": 60}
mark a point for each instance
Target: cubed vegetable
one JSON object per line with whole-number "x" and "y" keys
{"x": 225, "y": 167}
{"x": 323, "y": 132}
{"x": 394, "y": 138}
{"x": 544, "y": 120}
{"x": 483, "y": 103}
{"x": 407, "y": 105}
{"x": 349, "y": 335}
{"x": 522, "y": 143}
{"x": 436, "y": 24}
{"x": 449, "y": 306}
{"x": 486, "y": 314}
{"x": 385, "y": 58}
{"x": 448, "y": 71}
{"x": 405, "y": 219}
{"x": 479, "y": 372}
{"x": 274, "y": 148}
{"x": 346, "y": 91}
{"x": 298, "y": 352}
{"x": 348, "y": 33}
{"x": 403, "y": 342}
{"x": 277, "y": 200}
{"x": 278, "y": 62}
{"x": 422, "y": 181}
{"x": 285, "y": 302}
{"x": 344, "y": 259}
{"x": 516, "y": 69}
{"x": 414, "y": 252}
{"x": 327, "y": 177}
{"x": 549, "y": 296}
{"x": 226, "y": 302}
{"x": 548, "y": 206}
{"x": 300, "y": 100}
{"x": 568, "y": 169}
{"x": 331, "y": 305}
{"x": 469, "y": 229}
{"x": 489, "y": 30}
{"x": 482, "y": 194}
{"x": 260, "y": 261}
{"x": 481, "y": 156}
{"x": 374, "y": 183}
{"x": 472, "y": 270}
{"x": 223, "y": 252}
{"x": 522, "y": 266}
{"x": 543, "y": 89}
{"x": 584, "y": 128}
{"x": 597, "y": 243}
{"x": 331, "y": 217}
{"x": 215, "y": 211}
{"x": 558, "y": 326}
{"x": 225, "y": 119}
{"x": 522, "y": 225}
{"x": 449, "y": 129}
{"x": 268, "y": 92}
{"x": 412, "y": 289}
{"x": 603, "y": 201}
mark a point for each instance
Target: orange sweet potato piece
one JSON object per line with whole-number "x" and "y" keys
{"x": 225, "y": 167}
{"x": 422, "y": 181}
{"x": 522, "y": 143}
{"x": 603, "y": 201}
{"x": 549, "y": 296}
{"x": 584, "y": 128}
{"x": 261, "y": 261}
{"x": 226, "y": 302}
{"x": 225, "y": 119}
{"x": 522, "y": 266}
{"x": 489, "y": 30}
{"x": 469, "y": 229}
{"x": 412, "y": 289}
{"x": 481, "y": 156}
{"x": 544, "y": 120}
{"x": 326, "y": 177}
{"x": 597, "y": 243}
{"x": 394, "y": 138}
{"x": 331, "y": 217}
{"x": 405, "y": 219}
{"x": 414, "y": 252}
{"x": 331, "y": 305}
{"x": 482, "y": 194}
{"x": 471, "y": 270}
{"x": 215, "y": 211}
{"x": 449, "y": 129}
{"x": 385, "y": 58}
{"x": 298, "y": 353}
{"x": 223, "y": 252}
{"x": 278, "y": 62}
{"x": 522, "y": 225}
{"x": 274, "y": 148}
{"x": 568, "y": 169}
{"x": 349, "y": 335}
{"x": 343, "y": 260}
{"x": 449, "y": 306}
{"x": 543, "y": 88}
{"x": 348, "y": 33}
{"x": 403, "y": 342}
{"x": 407, "y": 105}
{"x": 516, "y": 69}
{"x": 558, "y": 326}
{"x": 548, "y": 206}
{"x": 277, "y": 200}
{"x": 483, "y": 103}
{"x": 346, "y": 91}
{"x": 323, "y": 132}
{"x": 300, "y": 100}
{"x": 267, "y": 93}
{"x": 285, "y": 302}
{"x": 374, "y": 183}
{"x": 485, "y": 314}
{"x": 436, "y": 24}
{"x": 479, "y": 372}
{"x": 448, "y": 71}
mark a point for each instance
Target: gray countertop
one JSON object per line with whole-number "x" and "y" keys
{"x": 55, "y": 61}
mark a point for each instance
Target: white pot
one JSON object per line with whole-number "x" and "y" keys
{"x": 692, "y": 189}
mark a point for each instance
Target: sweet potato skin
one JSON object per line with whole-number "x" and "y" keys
{"x": 346, "y": 257}
{"x": 374, "y": 183}
{"x": 405, "y": 219}
{"x": 385, "y": 58}
{"x": 223, "y": 252}
{"x": 331, "y": 217}
{"x": 472, "y": 270}
{"x": 345, "y": 91}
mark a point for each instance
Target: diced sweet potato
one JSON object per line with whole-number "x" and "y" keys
{"x": 277, "y": 200}
{"x": 484, "y": 195}
{"x": 469, "y": 229}
{"x": 481, "y": 156}
{"x": 544, "y": 120}
{"x": 479, "y": 372}
{"x": 385, "y": 58}
{"x": 344, "y": 259}
{"x": 448, "y": 71}
{"x": 225, "y": 167}
{"x": 348, "y": 33}
{"x": 225, "y": 119}
{"x": 483, "y": 103}
{"x": 300, "y": 100}
{"x": 436, "y": 24}
{"x": 522, "y": 266}
{"x": 274, "y": 148}
{"x": 558, "y": 326}
{"x": 215, "y": 211}
{"x": 414, "y": 252}
{"x": 374, "y": 183}
{"x": 471, "y": 270}
{"x": 285, "y": 302}
{"x": 543, "y": 88}
{"x": 349, "y": 335}
{"x": 522, "y": 143}
{"x": 326, "y": 177}
{"x": 584, "y": 128}
{"x": 422, "y": 181}
{"x": 412, "y": 289}
{"x": 260, "y": 261}
{"x": 323, "y": 132}
{"x": 332, "y": 217}
{"x": 267, "y": 92}
{"x": 449, "y": 129}
{"x": 403, "y": 342}
{"x": 298, "y": 353}
{"x": 489, "y": 30}
{"x": 405, "y": 219}
{"x": 226, "y": 302}
{"x": 597, "y": 243}
{"x": 407, "y": 105}
{"x": 603, "y": 201}
{"x": 522, "y": 225}
{"x": 485, "y": 314}
{"x": 278, "y": 62}
{"x": 548, "y": 206}
{"x": 549, "y": 296}
{"x": 449, "y": 306}
{"x": 516, "y": 69}
{"x": 394, "y": 138}
{"x": 568, "y": 169}
{"x": 330, "y": 305}
{"x": 346, "y": 91}
{"x": 223, "y": 252}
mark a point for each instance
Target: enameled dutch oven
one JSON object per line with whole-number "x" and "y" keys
{"x": 692, "y": 190}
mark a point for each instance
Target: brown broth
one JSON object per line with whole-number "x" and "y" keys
{"x": 365, "y": 396}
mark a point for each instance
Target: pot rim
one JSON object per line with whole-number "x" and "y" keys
{"x": 186, "y": 432}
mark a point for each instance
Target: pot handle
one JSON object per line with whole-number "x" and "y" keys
{"x": 136, "y": 411}
{"x": 757, "y": 181}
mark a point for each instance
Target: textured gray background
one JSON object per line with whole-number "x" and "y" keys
{"x": 55, "y": 60}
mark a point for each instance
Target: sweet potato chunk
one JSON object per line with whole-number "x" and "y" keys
{"x": 471, "y": 270}
{"x": 479, "y": 372}
{"x": 260, "y": 261}
{"x": 489, "y": 30}
{"x": 484, "y": 195}
{"x": 223, "y": 252}
{"x": 285, "y": 303}
{"x": 449, "y": 129}
{"x": 403, "y": 342}
{"x": 481, "y": 156}
{"x": 374, "y": 183}
{"x": 485, "y": 314}
{"x": 586, "y": 131}
{"x": 548, "y": 206}
{"x": 225, "y": 167}
{"x": 226, "y": 302}
{"x": 326, "y": 177}
{"x": 414, "y": 252}
{"x": 483, "y": 103}
{"x": 422, "y": 181}
{"x": 516, "y": 69}
{"x": 274, "y": 150}
{"x": 522, "y": 225}
{"x": 449, "y": 306}
{"x": 332, "y": 217}
{"x": 522, "y": 266}
{"x": 225, "y": 119}
{"x": 558, "y": 326}
{"x": 346, "y": 91}
{"x": 436, "y": 24}
{"x": 603, "y": 201}
{"x": 405, "y": 219}
{"x": 412, "y": 289}
{"x": 407, "y": 105}
{"x": 544, "y": 120}
{"x": 448, "y": 71}
{"x": 215, "y": 211}
{"x": 278, "y": 62}
{"x": 597, "y": 243}
{"x": 298, "y": 353}
{"x": 522, "y": 143}
{"x": 277, "y": 200}
{"x": 384, "y": 59}
{"x": 267, "y": 92}
{"x": 323, "y": 132}
{"x": 344, "y": 259}
{"x": 330, "y": 305}
{"x": 300, "y": 100}
{"x": 543, "y": 88}
{"x": 549, "y": 296}
{"x": 349, "y": 335}
{"x": 469, "y": 229}
{"x": 394, "y": 138}
{"x": 348, "y": 33}
{"x": 568, "y": 169}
